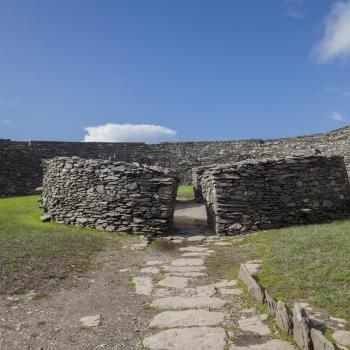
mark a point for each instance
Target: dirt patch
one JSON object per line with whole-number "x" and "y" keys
{"x": 53, "y": 320}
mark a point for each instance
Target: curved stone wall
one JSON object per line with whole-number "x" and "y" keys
{"x": 107, "y": 195}
{"x": 21, "y": 169}
{"x": 271, "y": 193}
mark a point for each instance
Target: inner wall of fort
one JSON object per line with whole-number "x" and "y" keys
{"x": 21, "y": 166}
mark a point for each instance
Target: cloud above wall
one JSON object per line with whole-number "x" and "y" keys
{"x": 336, "y": 116}
{"x": 128, "y": 133}
{"x": 336, "y": 39}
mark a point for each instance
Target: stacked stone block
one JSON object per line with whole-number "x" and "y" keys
{"x": 111, "y": 196}
{"x": 271, "y": 193}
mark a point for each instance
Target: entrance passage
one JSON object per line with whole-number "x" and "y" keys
{"x": 190, "y": 217}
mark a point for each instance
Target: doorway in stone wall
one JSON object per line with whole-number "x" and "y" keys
{"x": 190, "y": 216}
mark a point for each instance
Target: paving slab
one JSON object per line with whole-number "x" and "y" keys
{"x": 151, "y": 270}
{"x": 196, "y": 254}
{"x": 254, "y": 325}
{"x": 196, "y": 338}
{"x": 187, "y": 318}
{"x": 198, "y": 238}
{"x": 174, "y": 282}
{"x": 208, "y": 290}
{"x": 143, "y": 285}
{"x": 274, "y": 344}
{"x": 222, "y": 243}
{"x": 225, "y": 283}
{"x": 176, "y": 302}
{"x": 184, "y": 268}
{"x": 231, "y": 291}
{"x": 187, "y": 262}
{"x": 194, "y": 248}
{"x": 342, "y": 337}
{"x": 188, "y": 274}
{"x": 154, "y": 262}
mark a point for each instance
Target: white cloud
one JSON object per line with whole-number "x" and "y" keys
{"x": 295, "y": 9}
{"x": 336, "y": 40}
{"x": 336, "y": 116}
{"x": 128, "y": 133}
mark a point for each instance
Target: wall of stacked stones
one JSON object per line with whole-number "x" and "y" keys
{"x": 108, "y": 195}
{"x": 271, "y": 193}
{"x": 21, "y": 168}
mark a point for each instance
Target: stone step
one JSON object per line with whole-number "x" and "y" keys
{"x": 274, "y": 344}
{"x": 187, "y": 318}
{"x": 196, "y": 338}
{"x": 189, "y": 303}
{"x": 187, "y": 262}
{"x": 174, "y": 282}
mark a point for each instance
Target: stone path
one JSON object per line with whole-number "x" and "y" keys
{"x": 194, "y": 313}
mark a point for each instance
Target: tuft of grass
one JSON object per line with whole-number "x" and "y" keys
{"x": 185, "y": 192}
{"x": 31, "y": 252}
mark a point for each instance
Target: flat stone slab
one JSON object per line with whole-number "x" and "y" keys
{"x": 230, "y": 291}
{"x": 188, "y": 274}
{"x": 342, "y": 337}
{"x": 154, "y": 263}
{"x": 143, "y": 285}
{"x": 187, "y": 318}
{"x": 174, "y": 282}
{"x": 197, "y": 338}
{"x": 222, "y": 243}
{"x": 184, "y": 268}
{"x": 225, "y": 283}
{"x": 151, "y": 269}
{"x": 196, "y": 254}
{"x": 91, "y": 321}
{"x": 187, "y": 262}
{"x": 194, "y": 248}
{"x": 189, "y": 303}
{"x": 198, "y": 238}
{"x": 254, "y": 325}
{"x": 274, "y": 344}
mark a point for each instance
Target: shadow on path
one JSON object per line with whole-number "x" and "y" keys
{"x": 190, "y": 218}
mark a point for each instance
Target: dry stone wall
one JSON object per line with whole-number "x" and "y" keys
{"x": 108, "y": 195}
{"x": 270, "y": 193}
{"x": 21, "y": 169}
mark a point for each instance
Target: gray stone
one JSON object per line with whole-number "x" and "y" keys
{"x": 91, "y": 321}
{"x": 301, "y": 328}
{"x": 271, "y": 303}
{"x": 187, "y": 318}
{"x": 254, "y": 325}
{"x": 208, "y": 290}
{"x": 254, "y": 288}
{"x": 187, "y": 262}
{"x": 174, "y": 282}
{"x": 196, "y": 338}
{"x": 151, "y": 269}
{"x": 342, "y": 337}
{"x": 184, "y": 268}
{"x": 45, "y": 218}
{"x": 284, "y": 317}
{"x": 274, "y": 344}
{"x": 194, "y": 249}
{"x": 230, "y": 291}
{"x": 154, "y": 263}
{"x": 200, "y": 302}
{"x": 319, "y": 341}
{"x": 143, "y": 285}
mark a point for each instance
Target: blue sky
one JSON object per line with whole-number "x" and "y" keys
{"x": 205, "y": 69}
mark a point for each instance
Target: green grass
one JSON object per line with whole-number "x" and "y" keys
{"x": 32, "y": 252}
{"x": 308, "y": 263}
{"x": 185, "y": 191}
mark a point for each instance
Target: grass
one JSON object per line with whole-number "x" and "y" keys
{"x": 185, "y": 191}
{"x": 308, "y": 263}
{"x": 32, "y": 252}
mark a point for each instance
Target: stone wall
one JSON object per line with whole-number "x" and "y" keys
{"x": 21, "y": 162}
{"x": 108, "y": 195}
{"x": 271, "y": 193}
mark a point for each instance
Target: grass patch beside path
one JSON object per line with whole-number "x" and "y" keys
{"x": 31, "y": 251}
{"x": 185, "y": 191}
{"x": 309, "y": 263}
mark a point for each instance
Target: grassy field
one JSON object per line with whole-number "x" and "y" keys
{"x": 310, "y": 263}
{"x": 32, "y": 252}
{"x": 185, "y": 191}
